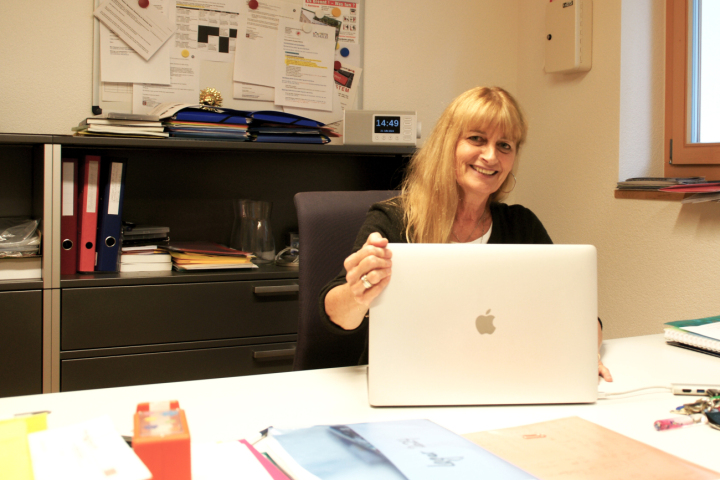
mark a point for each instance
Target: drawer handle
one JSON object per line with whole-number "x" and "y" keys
{"x": 277, "y": 290}
{"x": 274, "y": 354}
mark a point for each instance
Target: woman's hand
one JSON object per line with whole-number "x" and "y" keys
{"x": 368, "y": 269}
{"x": 603, "y": 371}
{"x": 368, "y": 273}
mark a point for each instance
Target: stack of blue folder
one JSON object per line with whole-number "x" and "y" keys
{"x": 280, "y": 127}
{"x": 196, "y": 123}
{"x": 261, "y": 126}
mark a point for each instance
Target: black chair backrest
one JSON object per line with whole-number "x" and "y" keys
{"x": 328, "y": 223}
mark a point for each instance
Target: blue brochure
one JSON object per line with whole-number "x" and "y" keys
{"x": 403, "y": 449}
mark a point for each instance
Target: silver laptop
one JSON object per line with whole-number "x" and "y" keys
{"x": 464, "y": 324}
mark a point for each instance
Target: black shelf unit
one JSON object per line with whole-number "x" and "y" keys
{"x": 105, "y": 330}
{"x": 22, "y": 194}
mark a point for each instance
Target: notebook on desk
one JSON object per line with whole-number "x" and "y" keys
{"x": 464, "y": 324}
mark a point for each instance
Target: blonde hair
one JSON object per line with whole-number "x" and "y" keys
{"x": 430, "y": 193}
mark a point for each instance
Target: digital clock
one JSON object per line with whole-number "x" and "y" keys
{"x": 385, "y": 124}
{"x": 368, "y": 127}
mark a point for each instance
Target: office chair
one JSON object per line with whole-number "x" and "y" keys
{"x": 328, "y": 223}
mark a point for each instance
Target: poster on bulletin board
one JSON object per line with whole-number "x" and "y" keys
{"x": 300, "y": 56}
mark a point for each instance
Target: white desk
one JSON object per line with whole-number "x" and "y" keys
{"x": 239, "y": 407}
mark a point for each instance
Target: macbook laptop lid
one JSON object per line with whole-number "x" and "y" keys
{"x": 463, "y": 324}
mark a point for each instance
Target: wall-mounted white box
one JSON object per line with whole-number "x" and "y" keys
{"x": 568, "y": 44}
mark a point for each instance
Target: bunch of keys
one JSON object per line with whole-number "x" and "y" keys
{"x": 702, "y": 410}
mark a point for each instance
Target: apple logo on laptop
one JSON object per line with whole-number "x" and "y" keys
{"x": 484, "y": 323}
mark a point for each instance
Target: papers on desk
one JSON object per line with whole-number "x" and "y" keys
{"x": 392, "y": 450}
{"x": 91, "y": 450}
{"x": 224, "y": 460}
{"x": 581, "y": 450}
{"x": 15, "y": 461}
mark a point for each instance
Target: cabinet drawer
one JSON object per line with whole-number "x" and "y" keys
{"x": 20, "y": 343}
{"x": 99, "y": 317}
{"x": 141, "y": 369}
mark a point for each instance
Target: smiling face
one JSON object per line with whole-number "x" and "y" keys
{"x": 483, "y": 160}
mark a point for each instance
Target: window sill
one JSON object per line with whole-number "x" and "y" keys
{"x": 651, "y": 195}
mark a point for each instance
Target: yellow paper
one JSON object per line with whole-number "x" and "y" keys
{"x": 15, "y": 459}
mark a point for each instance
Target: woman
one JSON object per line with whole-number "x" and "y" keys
{"x": 450, "y": 194}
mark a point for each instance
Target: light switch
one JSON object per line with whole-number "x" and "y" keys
{"x": 568, "y": 43}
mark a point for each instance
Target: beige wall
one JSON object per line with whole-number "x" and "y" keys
{"x": 658, "y": 261}
{"x": 45, "y": 65}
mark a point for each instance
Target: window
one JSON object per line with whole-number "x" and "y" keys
{"x": 692, "y": 99}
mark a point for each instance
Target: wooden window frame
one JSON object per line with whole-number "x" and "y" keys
{"x": 682, "y": 159}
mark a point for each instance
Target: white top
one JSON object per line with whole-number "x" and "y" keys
{"x": 483, "y": 239}
{"x": 239, "y": 407}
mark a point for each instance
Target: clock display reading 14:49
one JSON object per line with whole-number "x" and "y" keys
{"x": 387, "y": 124}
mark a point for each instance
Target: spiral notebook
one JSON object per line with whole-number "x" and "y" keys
{"x": 702, "y": 334}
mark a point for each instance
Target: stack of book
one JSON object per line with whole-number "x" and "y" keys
{"x": 140, "y": 251}
{"x": 656, "y": 183}
{"x": 144, "y": 259}
{"x": 188, "y": 256}
{"x": 121, "y": 125}
{"x": 198, "y": 123}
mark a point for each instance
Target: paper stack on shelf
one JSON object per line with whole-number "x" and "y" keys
{"x": 19, "y": 249}
{"x": 200, "y": 255}
{"x": 703, "y": 192}
{"x": 148, "y": 237}
{"x": 702, "y": 334}
{"x": 656, "y": 183}
{"x": 121, "y": 125}
{"x": 145, "y": 261}
{"x": 198, "y": 123}
{"x": 187, "y": 120}
{"x": 141, "y": 252}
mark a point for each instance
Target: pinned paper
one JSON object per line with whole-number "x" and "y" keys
{"x": 144, "y": 29}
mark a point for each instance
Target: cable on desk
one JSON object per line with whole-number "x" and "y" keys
{"x": 604, "y": 396}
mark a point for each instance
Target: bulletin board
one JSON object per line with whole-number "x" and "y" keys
{"x": 117, "y": 96}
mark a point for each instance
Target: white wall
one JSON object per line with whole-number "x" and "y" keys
{"x": 642, "y": 87}
{"x": 658, "y": 261}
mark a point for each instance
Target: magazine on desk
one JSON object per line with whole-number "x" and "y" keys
{"x": 390, "y": 450}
